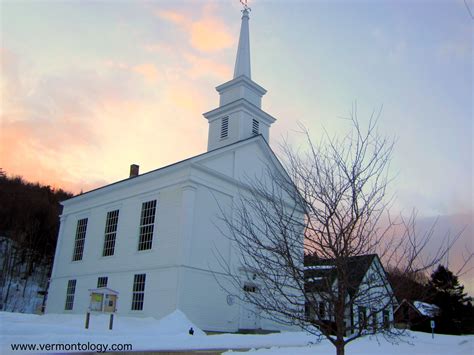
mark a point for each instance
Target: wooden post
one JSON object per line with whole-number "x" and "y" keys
{"x": 88, "y": 315}
{"x": 111, "y": 322}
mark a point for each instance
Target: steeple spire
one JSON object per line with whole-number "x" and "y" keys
{"x": 239, "y": 115}
{"x": 242, "y": 63}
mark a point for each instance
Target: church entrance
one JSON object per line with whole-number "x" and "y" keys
{"x": 249, "y": 314}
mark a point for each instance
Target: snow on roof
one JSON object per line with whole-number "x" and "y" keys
{"x": 319, "y": 267}
{"x": 316, "y": 278}
{"x": 426, "y": 309}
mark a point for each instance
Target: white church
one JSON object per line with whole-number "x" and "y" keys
{"x": 153, "y": 237}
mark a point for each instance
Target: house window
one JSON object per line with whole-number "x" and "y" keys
{"x": 386, "y": 319}
{"x": 352, "y": 319}
{"x": 110, "y": 232}
{"x": 147, "y": 223}
{"x": 307, "y": 310}
{"x": 255, "y": 127}
{"x": 362, "y": 317}
{"x": 138, "y": 292}
{"x": 374, "y": 320}
{"x": 80, "y": 239}
{"x": 224, "y": 127}
{"x": 322, "y": 310}
{"x": 71, "y": 290}
{"x": 330, "y": 310}
{"x": 102, "y": 281}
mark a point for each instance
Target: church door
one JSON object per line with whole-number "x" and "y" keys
{"x": 249, "y": 314}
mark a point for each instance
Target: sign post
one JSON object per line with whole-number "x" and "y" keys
{"x": 102, "y": 300}
{"x": 432, "y": 323}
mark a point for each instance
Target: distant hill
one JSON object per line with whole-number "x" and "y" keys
{"x": 29, "y": 223}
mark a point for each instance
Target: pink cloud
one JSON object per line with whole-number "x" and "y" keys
{"x": 201, "y": 66}
{"x": 172, "y": 16}
{"x": 160, "y": 48}
{"x": 73, "y": 130}
{"x": 148, "y": 71}
{"x": 207, "y": 34}
{"x": 210, "y": 34}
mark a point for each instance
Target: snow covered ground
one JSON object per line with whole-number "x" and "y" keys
{"x": 171, "y": 333}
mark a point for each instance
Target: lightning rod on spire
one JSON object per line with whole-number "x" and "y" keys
{"x": 245, "y": 5}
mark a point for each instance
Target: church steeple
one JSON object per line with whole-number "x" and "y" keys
{"x": 242, "y": 63}
{"x": 239, "y": 115}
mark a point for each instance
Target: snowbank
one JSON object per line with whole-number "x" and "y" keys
{"x": 176, "y": 323}
{"x": 419, "y": 344}
{"x": 142, "y": 333}
{"x": 171, "y": 334}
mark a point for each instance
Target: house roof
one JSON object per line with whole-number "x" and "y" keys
{"x": 422, "y": 308}
{"x": 320, "y": 274}
{"x": 426, "y": 309}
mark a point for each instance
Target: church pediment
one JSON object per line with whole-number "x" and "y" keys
{"x": 242, "y": 161}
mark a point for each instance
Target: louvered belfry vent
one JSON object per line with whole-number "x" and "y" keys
{"x": 255, "y": 127}
{"x": 224, "y": 127}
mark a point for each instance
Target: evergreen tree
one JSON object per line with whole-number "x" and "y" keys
{"x": 449, "y": 296}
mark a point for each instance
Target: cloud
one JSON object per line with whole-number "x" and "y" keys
{"x": 207, "y": 34}
{"x": 80, "y": 129}
{"x": 172, "y": 16}
{"x": 206, "y": 67}
{"x": 48, "y": 123}
{"x": 35, "y": 152}
{"x": 148, "y": 71}
{"x": 210, "y": 35}
{"x": 9, "y": 79}
{"x": 160, "y": 48}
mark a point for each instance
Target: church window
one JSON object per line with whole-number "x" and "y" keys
{"x": 147, "y": 224}
{"x": 102, "y": 281}
{"x": 80, "y": 239}
{"x": 71, "y": 290}
{"x": 110, "y": 232}
{"x": 224, "y": 127}
{"x": 138, "y": 292}
{"x": 255, "y": 127}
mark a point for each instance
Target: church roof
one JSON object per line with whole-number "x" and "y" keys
{"x": 258, "y": 138}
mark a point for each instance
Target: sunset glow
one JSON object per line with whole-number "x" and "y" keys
{"x": 88, "y": 88}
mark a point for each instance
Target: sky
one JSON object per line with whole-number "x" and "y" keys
{"x": 90, "y": 87}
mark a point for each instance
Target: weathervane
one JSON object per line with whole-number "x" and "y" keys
{"x": 245, "y": 5}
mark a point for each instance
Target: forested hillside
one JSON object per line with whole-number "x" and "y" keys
{"x": 29, "y": 223}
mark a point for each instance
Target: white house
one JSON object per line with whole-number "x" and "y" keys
{"x": 370, "y": 300}
{"x": 152, "y": 237}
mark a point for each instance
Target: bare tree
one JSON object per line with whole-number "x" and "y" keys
{"x": 331, "y": 203}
